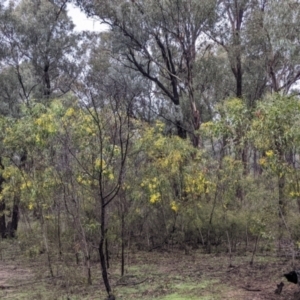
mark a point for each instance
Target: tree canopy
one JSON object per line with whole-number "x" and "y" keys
{"x": 175, "y": 127}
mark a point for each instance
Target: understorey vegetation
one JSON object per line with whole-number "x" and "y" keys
{"x": 175, "y": 130}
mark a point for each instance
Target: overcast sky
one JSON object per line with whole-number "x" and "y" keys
{"x": 82, "y": 22}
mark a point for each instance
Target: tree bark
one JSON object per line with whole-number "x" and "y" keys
{"x": 47, "y": 82}
{"x": 2, "y": 206}
{"x": 2, "y": 220}
{"x": 101, "y": 249}
{"x": 122, "y": 243}
{"x": 281, "y": 198}
{"x": 15, "y": 219}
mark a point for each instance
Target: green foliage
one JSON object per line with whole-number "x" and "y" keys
{"x": 175, "y": 173}
{"x": 274, "y": 124}
{"x": 64, "y": 159}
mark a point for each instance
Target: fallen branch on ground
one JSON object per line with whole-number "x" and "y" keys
{"x": 250, "y": 289}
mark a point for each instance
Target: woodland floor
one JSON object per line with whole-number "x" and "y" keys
{"x": 151, "y": 275}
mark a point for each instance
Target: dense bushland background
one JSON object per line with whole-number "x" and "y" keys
{"x": 175, "y": 129}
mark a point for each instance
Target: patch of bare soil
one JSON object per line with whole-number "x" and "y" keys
{"x": 13, "y": 276}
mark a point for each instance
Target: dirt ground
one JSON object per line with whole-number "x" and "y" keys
{"x": 238, "y": 281}
{"x": 13, "y": 276}
{"x": 160, "y": 275}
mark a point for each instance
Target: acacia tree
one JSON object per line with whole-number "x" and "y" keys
{"x": 102, "y": 136}
{"x": 88, "y": 144}
{"x": 273, "y": 133}
{"x": 170, "y": 186}
{"x": 112, "y": 140}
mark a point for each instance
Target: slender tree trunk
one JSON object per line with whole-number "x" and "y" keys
{"x": 2, "y": 206}
{"x": 47, "y": 82}
{"x": 257, "y": 168}
{"x": 89, "y": 273}
{"x": 15, "y": 218}
{"x": 229, "y": 249}
{"x": 87, "y": 262}
{"x": 46, "y": 245}
{"x": 254, "y": 250}
{"x": 85, "y": 248}
{"x": 281, "y": 198}
{"x": 106, "y": 251}
{"x": 2, "y": 219}
{"x": 237, "y": 70}
{"x": 247, "y": 239}
{"x": 181, "y": 131}
{"x": 59, "y": 232}
{"x": 15, "y": 212}
{"x": 281, "y": 202}
{"x": 123, "y": 244}
{"x": 101, "y": 249}
{"x": 239, "y": 77}
{"x": 88, "y": 267}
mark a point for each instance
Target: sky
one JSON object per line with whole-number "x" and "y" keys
{"x": 82, "y": 22}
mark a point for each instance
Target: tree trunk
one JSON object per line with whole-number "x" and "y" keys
{"x": 123, "y": 244}
{"x": 59, "y": 232}
{"x": 15, "y": 212}
{"x": 2, "y": 206}
{"x": 2, "y": 219}
{"x": 46, "y": 245}
{"x": 237, "y": 44}
{"x": 101, "y": 249}
{"x": 281, "y": 198}
{"x": 239, "y": 77}
{"x": 181, "y": 131}
{"x": 15, "y": 218}
{"x": 47, "y": 83}
{"x": 106, "y": 251}
{"x": 254, "y": 250}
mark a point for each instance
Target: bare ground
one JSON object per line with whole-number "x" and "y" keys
{"x": 239, "y": 281}
{"x": 157, "y": 275}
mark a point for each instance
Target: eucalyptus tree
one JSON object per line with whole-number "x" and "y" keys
{"x": 237, "y": 30}
{"x": 41, "y": 50}
{"x": 281, "y": 42}
{"x": 160, "y": 40}
{"x": 260, "y": 40}
{"x": 105, "y": 77}
{"x": 274, "y": 133}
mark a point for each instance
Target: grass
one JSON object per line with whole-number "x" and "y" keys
{"x": 164, "y": 276}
